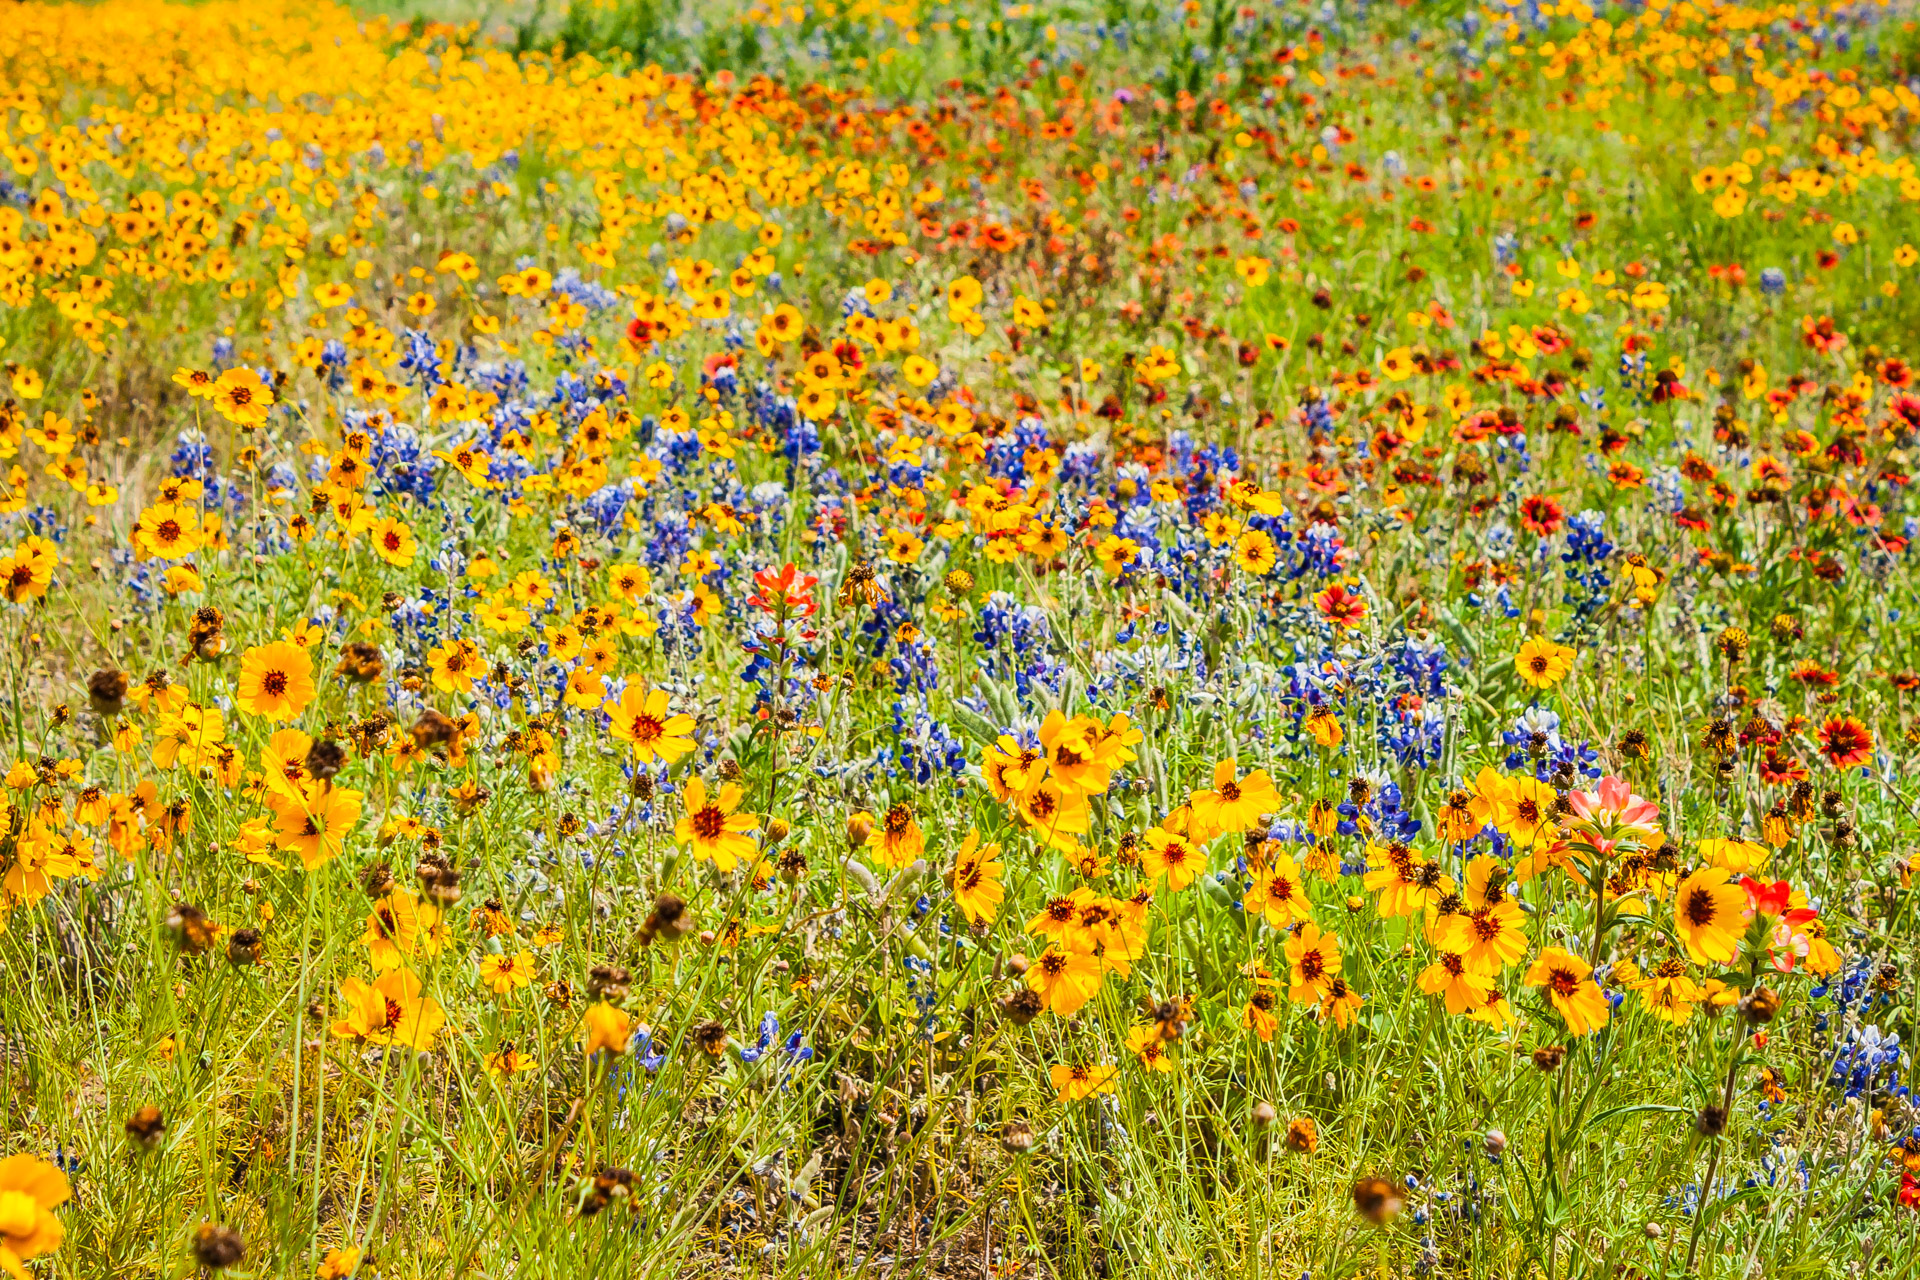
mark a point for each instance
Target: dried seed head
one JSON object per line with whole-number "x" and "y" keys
{"x": 1548, "y": 1057}
{"x": 610, "y": 1186}
{"x": 107, "y": 691}
{"x": 146, "y": 1127}
{"x": 192, "y": 930}
{"x": 711, "y": 1037}
{"x": 377, "y": 880}
{"x": 669, "y": 921}
{"x": 1303, "y": 1135}
{"x": 243, "y": 948}
{"x": 360, "y": 662}
{"x": 1760, "y": 1005}
{"x": 608, "y": 982}
{"x": 1023, "y": 1006}
{"x": 216, "y": 1247}
{"x": 325, "y": 759}
{"x": 1377, "y": 1200}
{"x": 432, "y": 729}
{"x": 793, "y": 866}
{"x": 1016, "y": 1136}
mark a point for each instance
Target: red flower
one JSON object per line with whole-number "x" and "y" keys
{"x": 1777, "y": 769}
{"x": 1845, "y": 742}
{"x": 1341, "y": 607}
{"x": 787, "y": 592}
{"x": 1767, "y": 899}
{"x": 1541, "y": 515}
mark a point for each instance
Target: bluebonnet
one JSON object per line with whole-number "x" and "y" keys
{"x": 793, "y": 1050}
{"x": 1863, "y": 1058}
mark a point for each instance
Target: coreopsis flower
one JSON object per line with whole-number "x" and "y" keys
{"x": 1670, "y": 992}
{"x": 506, "y": 974}
{"x": 1462, "y": 986}
{"x": 1709, "y": 914}
{"x": 276, "y": 681}
{"x": 1170, "y": 854}
{"x": 1408, "y": 883}
{"x": 1340, "y": 1003}
{"x": 712, "y": 828}
{"x": 509, "y": 1061}
{"x": 1064, "y": 980}
{"x": 897, "y": 840}
{"x": 1737, "y": 856}
{"x": 1569, "y": 984}
{"x": 455, "y": 665}
{"x": 314, "y": 823}
{"x": 30, "y": 1189}
{"x": 1315, "y": 960}
{"x": 168, "y": 531}
{"x": 1072, "y": 752}
{"x": 1542, "y": 663}
{"x": 241, "y": 397}
{"x": 1056, "y": 814}
{"x": 1147, "y": 1044}
{"x": 1011, "y": 770}
{"x": 1497, "y": 1012}
{"x": 27, "y": 571}
{"x": 1278, "y": 894}
{"x": 642, "y": 719}
{"x": 1233, "y": 803}
{"x": 975, "y": 879}
{"x": 401, "y": 927}
{"x": 188, "y": 737}
{"x": 390, "y": 1010}
{"x": 1074, "y": 1082}
{"x": 1493, "y": 936}
{"x": 393, "y": 541}
{"x": 338, "y": 1264}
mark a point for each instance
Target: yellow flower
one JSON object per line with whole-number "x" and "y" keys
{"x": 276, "y": 681}
{"x": 29, "y": 1190}
{"x": 606, "y": 1027}
{"x": 641, "y": 719}
{"x": 1709, "y": 914}
{"x": 507, "y": 974}
{"x": 241, "y": 397}
{"x": 716, "y": 833}
{"x": 1569, "y": 984}
{"x": 1072, "y": 1083}
{"x": 338, "y": 1264}
{"x": 975, "y": 879}
{"x": 393, "y": 542}
{"x": 1542, "y": 663}
{"x": 390, "y": 1010}
{"x": 1064, "y": 980}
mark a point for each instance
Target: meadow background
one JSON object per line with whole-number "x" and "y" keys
{"x": 959, "y": 640}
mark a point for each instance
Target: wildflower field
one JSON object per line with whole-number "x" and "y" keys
{"x": 1052, "y": 640}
